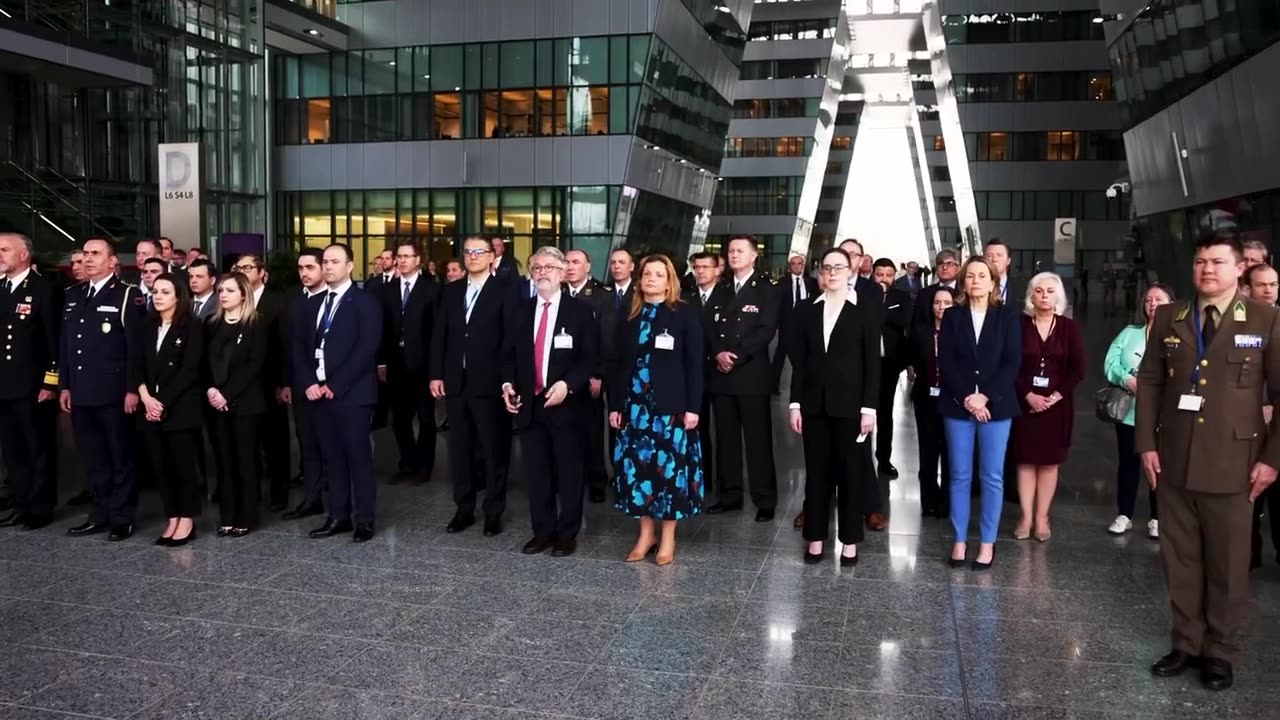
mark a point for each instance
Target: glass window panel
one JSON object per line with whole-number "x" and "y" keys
{"x": 980, "y": 201}
{"x": 618, "y": 120}
{"x": 472, "y": 63}
{"x": 380, "y": 113}
{"x": 589, "y": 61}
{"x": 560, "y": 61}
{"x": 490, "y": 209}
{"x": 289, "y": 77}
{"x": 588, "y": 209}
{"x": 489, "y": 65}
{"x": 544, "y": 76}
{"x": 1095, "y": 206}
{"x": 518, "y": 211}
{"x": 317, "y": 214}
{"x": 447, "y": 116}
{"x": 315, "y": 76}
{"x": 379, "y": 72}
{"x": 470, "y": 219}
{"x": 338, "y": 74}
{"x": 491, "y": 124}
{"x": 549, "y": 211}
{"x": 517, "y": 64}
{"x": 446, "y": 67}
{"x": 553, "y": 112}
{"x": 422, "y": 213}
{"x": 618, "y": 69}
{"x": 444, "y": 212}
{"x": 639, "y": 57}
{"x": 998, "y": 205}
{"x": 589, "y": 111}
{"x": 319, "y": 127}
{"x": 1046, "y": 205}
{"x": 517, "y": 113}
{"x": 404, "y": 70}
{"x": 472, "y": 116}
{"x": 421, "y": 69}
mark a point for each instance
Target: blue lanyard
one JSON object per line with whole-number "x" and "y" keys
{"x": 331, "y": 303}
{"x": 1199, "y": 332}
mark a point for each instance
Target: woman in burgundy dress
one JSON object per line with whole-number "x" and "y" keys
{"x": 1053, "y": 358}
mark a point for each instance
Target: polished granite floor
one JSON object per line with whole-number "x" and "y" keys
{"x": 420, "y": 624}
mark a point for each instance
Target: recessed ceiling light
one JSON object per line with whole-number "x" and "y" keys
{"x": 426, "y": 77}
{"x": 392, "y": 63}
{"x": 313, "y": 32}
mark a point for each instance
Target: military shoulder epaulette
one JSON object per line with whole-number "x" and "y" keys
{"x": 1182, "y": 314}
{"x": 127, "y": 284}
{"x": 773, "y": 281}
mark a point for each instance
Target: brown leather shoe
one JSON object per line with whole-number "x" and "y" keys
{"x": 799, "y": 521}
{"x": 876, "y": 521}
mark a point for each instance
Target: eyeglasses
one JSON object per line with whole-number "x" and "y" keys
{"x": 544, "y": 268}
{"x": 833, "y": 269}
{"x": 476, "y": 252}
{"x": 244, "y": 268}
{"x": 948, "y": 263}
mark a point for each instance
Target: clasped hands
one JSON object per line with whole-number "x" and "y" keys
{"x": 1040, "y": 403}
{"x": 554, "y": 395}
{"x": 976, "y": 405}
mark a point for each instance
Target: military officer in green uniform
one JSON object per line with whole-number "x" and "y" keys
{"x": 1205, "y": 445}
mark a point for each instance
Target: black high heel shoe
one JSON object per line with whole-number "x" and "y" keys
{"x": 163, "y": 541}
{"x": 847, "y": 561}
{"x": 176, "y": 542}
{"x": 811, "y": 558}
{"x": 977, "y": 566}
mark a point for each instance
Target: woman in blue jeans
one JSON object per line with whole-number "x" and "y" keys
{"x": 979, "y": 351}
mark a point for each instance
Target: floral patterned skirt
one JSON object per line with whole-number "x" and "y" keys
{"x": 657, "y": 467}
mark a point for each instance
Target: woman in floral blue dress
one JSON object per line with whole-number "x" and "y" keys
{"x": 654, "y": 397}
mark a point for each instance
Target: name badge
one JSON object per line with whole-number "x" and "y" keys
{"x": 664, "y": 341}
{"x": 320, "y": 365}
{"x": 1040, "y": 382}
{"x": 106, "y": 327}
{"x": 1190, "y": 403}
{"x": 935, "y": 391}
{"x": 108, "y": 308}
{"x": 562, "y": 341}
{"x": 1249, "y": 341}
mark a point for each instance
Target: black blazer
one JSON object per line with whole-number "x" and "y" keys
{"x": 242, "y": 362}
{"x": 575, "y": 365}
{"x": 601, "y": 303}
{"x": 31, "y": 315}
{"x": 406, "y": 335}
{"x": 744, "y": 324}
{"x": 786, "y": 295}
{"x": 351, "y": 347}
{"x": 271, "y": 311}
{"x": 843, "y": 377}
{"x": 706, "y": 315}
{"x": 895, "y": 321}
{"x": 481, "y": 341}
{"x": 172, "y": 374}
{"x": 676, "y": 375}
{"x": 991, "y": 363}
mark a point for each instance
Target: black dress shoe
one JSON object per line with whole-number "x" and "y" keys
{"x": 461, "y": 521}
{"x": 35, "y": 523}
{"x": 80, "y": 500}
{"x": 1174, "y": 664}
{"x": 331, "y": 528}
{"x": 120, "y": 532}
{"x": 493, "y": 525}
{"x": 363, "y": 533}
{"x": 812, "y": 558}
{"x": 162, "y": 542}
{"x": 596, "y": 496}
{"x": 889, "y": 471}
{"x": 88, "y": 528}
{"x": 10, "y": 519}
{"x": 980, "y": 566}
{"x": 175, "y": 542}
{"x": 1216, "y": 674}
{"x": 303, "y": 510}
{"x": 538, "y": 544}
{"x": 565, "y": 547}
{"x": 719, "y": 508}
{"x": 846, "y": 561}
{"x": 238, "y": 532}
{"x": 763, "y": 515}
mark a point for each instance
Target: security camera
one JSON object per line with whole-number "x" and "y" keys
{"x": 1117, "y": 188}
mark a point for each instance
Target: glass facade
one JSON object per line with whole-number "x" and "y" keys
{"x": 768, "y": 147}
{"x": 824, "y": 28}
{"x": 783, "y": 69}
{"x": 680, "y": 111}
{"x": 1052, "y": 145}
{"x": 1048, "y": 26}
{"x": 1172, "y": 48}
{"x": 777, "y": 108}
{"x": 92, "y": 151}
{"x": 533, "y": 88}
{"x": 1034, "y": 87}
{"x": 1044, "y": 205}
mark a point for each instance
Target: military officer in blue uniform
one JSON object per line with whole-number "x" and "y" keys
{"x": 100, "y": 320}
{"x": 29, "y": 313}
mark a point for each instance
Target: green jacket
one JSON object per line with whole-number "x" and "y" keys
{"x": 1123, "y": 358}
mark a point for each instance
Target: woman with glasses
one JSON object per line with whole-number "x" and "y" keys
{"x": 834, "y": 384}
{"x": 236, "y": 345}
{"x": 926, "y": 391}
{"x": 979, "y": 353}
{"x": 654, "y": 398}
{"x": 1121, "y": 367}
{"x": 167, "y": 375}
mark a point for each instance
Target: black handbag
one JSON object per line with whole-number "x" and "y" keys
{"x": 1112, "y": 403}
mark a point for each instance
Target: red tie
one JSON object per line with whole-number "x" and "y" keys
{"x": 539, "y": 344}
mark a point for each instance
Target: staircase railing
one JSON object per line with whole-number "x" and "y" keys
{"x": 60, "y": 199}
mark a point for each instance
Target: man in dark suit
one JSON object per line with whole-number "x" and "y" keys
{"x": 503, "y": 265}
{"x": 910, "y": 281}
{"x": 385, "y": 264}
{"x": 201, "y": 277}
{"x": 580, "y": 285}
{"x": 795, "y": 289}
{"x": 409, "y": 308}
{"x": 297, "y": 327}
{"x": 274, "y": 428}
{"x": 621, "y": 266}
{"x": 99, "y": 324}
{"x": 706, "y": 294}
{"x": 545, "y": 386}
{"x": 343, "y": 385}
{"x": 947, "y": 266}
{"x": 895, "y": 319}
{"x": 467, "y": 350}
{"x": 30, "y": 309}
{"x": 745, "y": 323}
{"x": 862, "y": 285}
{"x": 1012, "y": 292}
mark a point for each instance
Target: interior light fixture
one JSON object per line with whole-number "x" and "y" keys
{"x": 313, "y": 32}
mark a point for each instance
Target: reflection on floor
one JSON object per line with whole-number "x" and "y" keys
{"x": 420, "y": 624}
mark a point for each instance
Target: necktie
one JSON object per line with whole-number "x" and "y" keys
{"x": 472, "y": 293}
{"x": 796, "y": 301}
{"x": 737, "y": 286}
{"x": 150, "y": 306}
{"x": 1210, "y": 326}
{"x": 617, "y": 300}
{"x": 92, "y": 292}
{"x": 704, "y": 298}
{"x": 540, "y": 344}
{"x": 199, "y": 306}
{"x": 404, "y": 297}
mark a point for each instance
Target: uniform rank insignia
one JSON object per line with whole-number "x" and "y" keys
{"x": 1238, "y": 314}
{"x": 1172, "y": 342}
{"x": 750, "y": 309}
{"x": 23, "y": 309}
{"x": 1249, "y": 341}
{"x": 1182, "y": 314}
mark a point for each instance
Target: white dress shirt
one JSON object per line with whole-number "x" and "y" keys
{"x": 198, "y": 303}
{"x": 477, "y": 287}
{"x": 575, "y": 291}
{"x": 621, "y": 288}
{"x": 797, "y": 281}
{"x": 95, "y": 286}
{"x": 257, "y": 295}
{"x": 412, "y": 281}
{"x": 337, "y": 300}
{"x": 979, "y": 317}
{"x": 830, "y": 314}
{"x": 552, "y": 313}
{"x": 738, "y": 284}
{"x": 164, "y": 330}
{"x": 705, "y": 292}
{"x": 16, "y": 281}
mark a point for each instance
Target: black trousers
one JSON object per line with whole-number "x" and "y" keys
{"x": 553, "y": 470}
{"x": 304, "y": 428}
{"x": 410, "y": 401}
{"x": 274, "y": 440}
{"x": 884, "y": 416}
{"x": 172, "y": 457}
{"x": 236, "y": 437}
{"x": 593, "y": 444}
{"x": 479, "y": 426}
{"x": 1129, "y": 475}
{"x": 105, "y": 435}
{"x": 779, "y": 359}
{"x": 707, "y": 434}
{"x": 835, "y": 468}
{"x": 347, "y": 454}
{"x": 746, "y": 418}
{"x": 28, "y": 437}
{"x": 935, "y": 490}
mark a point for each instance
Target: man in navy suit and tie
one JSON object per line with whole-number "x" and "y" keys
{"x": 555, "y": 340}
{"x": 468, "y": 347}
{"x": 342, "y": 385}
{"x": 298, "y": 325}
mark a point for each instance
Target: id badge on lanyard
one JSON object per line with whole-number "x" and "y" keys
{"x": 1192, "y": 401}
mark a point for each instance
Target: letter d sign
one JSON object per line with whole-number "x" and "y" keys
{"x": 177, "y": 169}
